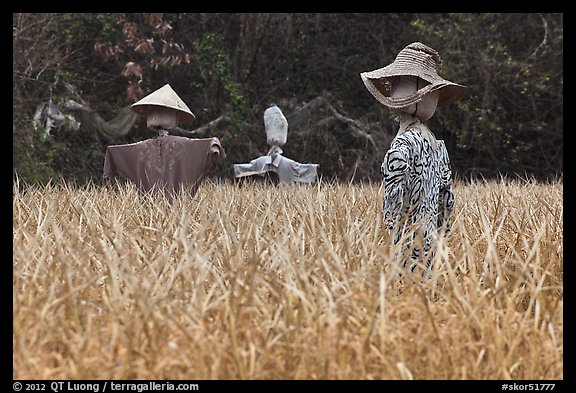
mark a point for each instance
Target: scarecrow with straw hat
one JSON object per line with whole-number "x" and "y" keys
{"x": 418, "y": 197}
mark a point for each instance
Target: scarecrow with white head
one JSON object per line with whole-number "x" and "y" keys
{"x": 418, "y": 197}
{"x": 288, "y": 170}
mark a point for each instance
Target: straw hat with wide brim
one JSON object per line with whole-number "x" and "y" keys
{"x": 417, "y": 60}
{"x": 167, "y": 98}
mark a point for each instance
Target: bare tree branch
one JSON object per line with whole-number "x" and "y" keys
{"x": 544, "y": 39}
{"x": 356, "y": 127}
{"x": 201, "y": 130}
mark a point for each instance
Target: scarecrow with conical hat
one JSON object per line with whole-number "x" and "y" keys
{"x": 168, "y": 162}
{"x": 163, "y": 110}
{"x": 418, "y": 197}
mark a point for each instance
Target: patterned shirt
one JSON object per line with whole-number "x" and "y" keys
{"x": 418, "y": 193}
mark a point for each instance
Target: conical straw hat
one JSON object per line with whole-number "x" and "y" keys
{"x": 164, "y": 97}
{"x": 418, "y": 60}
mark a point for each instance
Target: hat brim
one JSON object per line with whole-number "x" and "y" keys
{"x": 448, "y": 91}
{"x": 145, "y": 109}
{"x": 164, "y": 97}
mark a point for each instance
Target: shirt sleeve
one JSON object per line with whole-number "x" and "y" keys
{"x": 446, "y": 195}
{"x": 120, "y": 160}
{"x": 395, "y": 172}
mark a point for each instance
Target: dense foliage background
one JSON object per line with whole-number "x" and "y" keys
{"x": 234, "y": 66}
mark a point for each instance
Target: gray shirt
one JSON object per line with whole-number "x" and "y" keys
{"x": 289, "y": 171}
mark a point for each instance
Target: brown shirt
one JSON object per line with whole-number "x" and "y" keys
{"x": 165, "y": 162}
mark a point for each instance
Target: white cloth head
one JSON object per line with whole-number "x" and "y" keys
{"x": 405, "y": 86}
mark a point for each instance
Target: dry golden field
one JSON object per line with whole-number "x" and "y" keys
{"x": 255, "y": 281}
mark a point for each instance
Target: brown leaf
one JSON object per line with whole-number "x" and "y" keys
{"x": 133, "y": 92}
{"x": 132, "y": 69}
{"x": 145, "y": 46}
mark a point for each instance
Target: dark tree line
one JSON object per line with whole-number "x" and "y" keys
{"x": 231, "y": 67}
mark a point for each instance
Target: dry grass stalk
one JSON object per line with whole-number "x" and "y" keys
{"x": 251, "y": 281}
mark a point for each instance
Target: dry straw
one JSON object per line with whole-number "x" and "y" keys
{"x": 249, "y": 281}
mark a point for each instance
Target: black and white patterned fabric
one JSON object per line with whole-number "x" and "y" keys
{"x": 418, "y": 197}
